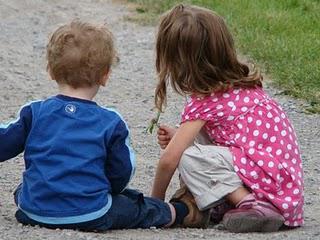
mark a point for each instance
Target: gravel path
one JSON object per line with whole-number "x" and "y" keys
{"x": 24, "y": 28}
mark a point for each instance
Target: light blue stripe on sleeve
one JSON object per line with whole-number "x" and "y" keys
{"x": 18, "y": 116}
{"x": 127, "y": 141}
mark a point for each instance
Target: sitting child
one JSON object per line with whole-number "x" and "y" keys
{"x": 78, "y": 160}
{"x": 252, "y": 158}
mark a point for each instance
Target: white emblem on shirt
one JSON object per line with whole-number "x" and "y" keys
{"x": 70, "y": 108}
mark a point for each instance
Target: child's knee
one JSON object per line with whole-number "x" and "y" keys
{"x": 200, "y": 157}
{"x": 188, "y": 159}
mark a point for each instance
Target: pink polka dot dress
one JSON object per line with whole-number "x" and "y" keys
{"x": 263, "y": 143}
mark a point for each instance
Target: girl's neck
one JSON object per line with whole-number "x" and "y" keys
{"x": 87, "y": 93}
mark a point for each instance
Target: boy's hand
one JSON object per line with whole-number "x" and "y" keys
{"x": 165, "y": 134}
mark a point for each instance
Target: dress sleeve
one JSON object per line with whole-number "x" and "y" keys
{"x": 201, "y": 108}
{"x": 14, "y": 134}
{"x": 120, "y": 165}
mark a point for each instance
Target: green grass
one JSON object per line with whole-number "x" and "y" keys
{"x": 282, "y": 36}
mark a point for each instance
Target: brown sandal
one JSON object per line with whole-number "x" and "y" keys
{"x": 195, "y": 218}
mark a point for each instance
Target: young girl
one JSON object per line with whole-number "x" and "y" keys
{"x": 253, "y": 159}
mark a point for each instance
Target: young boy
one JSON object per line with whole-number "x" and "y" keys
{"x": 78, "y": 161}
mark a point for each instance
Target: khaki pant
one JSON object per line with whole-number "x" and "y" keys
{"x": 208, "y": 172}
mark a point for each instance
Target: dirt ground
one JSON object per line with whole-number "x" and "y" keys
{"x": 24, "y": 29}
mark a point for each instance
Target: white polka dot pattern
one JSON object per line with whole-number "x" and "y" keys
{"x": 263, "y": 143}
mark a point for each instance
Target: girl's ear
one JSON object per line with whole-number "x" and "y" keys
{"x": 105, "y": 78}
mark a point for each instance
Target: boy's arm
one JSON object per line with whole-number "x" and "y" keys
{"x": 120, "y": 165}
{"x": 13, "y": 135}
{"x": 170, "y": 158}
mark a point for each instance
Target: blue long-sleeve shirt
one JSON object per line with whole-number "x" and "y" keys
{"x": 76, "y": 155}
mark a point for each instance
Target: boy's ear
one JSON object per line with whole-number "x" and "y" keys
{"x": 50, "y": 72}
{"x": 105, "y": 78}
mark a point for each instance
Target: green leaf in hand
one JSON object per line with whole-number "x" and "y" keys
{"x": 153, "y": 123}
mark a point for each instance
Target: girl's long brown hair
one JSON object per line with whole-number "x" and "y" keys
{"x": 195, "y": 53}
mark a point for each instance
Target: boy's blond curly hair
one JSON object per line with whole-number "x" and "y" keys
{"x": 79, "y": 54}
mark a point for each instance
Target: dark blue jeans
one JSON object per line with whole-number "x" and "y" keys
{"x": 130, "y": 209}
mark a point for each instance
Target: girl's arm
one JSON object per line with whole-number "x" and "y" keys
{"x": 170, "y": 158}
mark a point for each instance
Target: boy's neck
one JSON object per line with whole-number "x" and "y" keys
{"x": 87, "y": 93}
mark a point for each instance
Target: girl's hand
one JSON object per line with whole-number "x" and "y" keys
{"x": 165, "y": 134}
{"x": 180, "y": 140}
